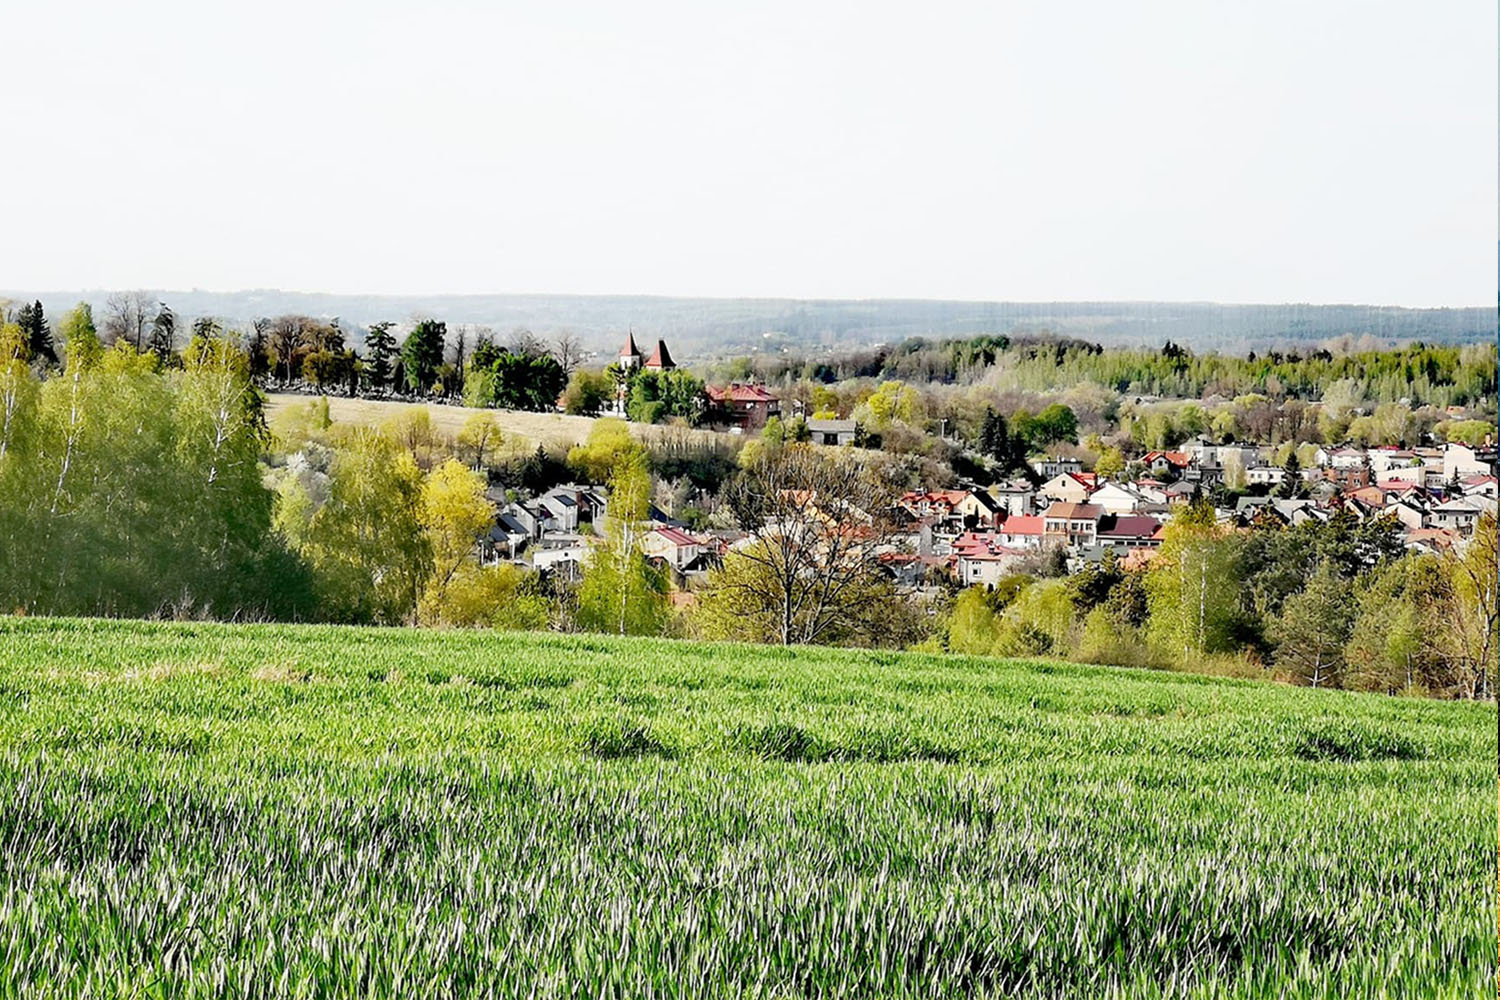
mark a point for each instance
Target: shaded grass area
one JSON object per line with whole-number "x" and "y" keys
{"x": 208, "y": 810}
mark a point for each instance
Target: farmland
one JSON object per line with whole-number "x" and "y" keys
{"x": 265, "y": 811}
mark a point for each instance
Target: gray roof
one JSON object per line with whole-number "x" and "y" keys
{"x": 828, "y": 426}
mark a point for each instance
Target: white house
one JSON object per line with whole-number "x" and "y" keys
{"x": 1116, "y": 499}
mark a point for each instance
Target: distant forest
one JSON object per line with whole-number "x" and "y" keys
{"x": 701, "y": 329}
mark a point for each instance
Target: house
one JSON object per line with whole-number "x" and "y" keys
{"x": 1022, "y": 531}
{"x": 1166, "y": 463}
{"x": 1460, "y": 460}
{"x": 1116, "y": 499}
{"x": 1339, "y": 458}
{"x": 1484, "y": 486}
{"x": 1460, "y": 514}
{"x": 562, "y": 556}
{"x": 1411, "y": 516}
{"x": 1074, "y": 524}
{"x": 1013, "y": 495}
{"x": 1049, "y": 468}
{"x": 561, "y": 508}
{"x": 954, "y": 510}
{"x": 983, "y": 560}
{"x": 1265, "y": 475}
{"x": 832, "y": 432}
{"x": 742, "y": 405}
{"x": 1430, "y": 541}
{"x": 505, "y": 538}
{"x": 1129, "y": 531}
{"x": 1385, "y": 459}
{"x": 673, "y": 546}
{"x": 1414, "y": 474}
{"x": 1066, "y": 487}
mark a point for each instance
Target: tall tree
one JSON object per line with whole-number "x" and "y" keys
{"x": 380, "y": 348}
{"x": 455, "y": 516}
{"x": 81, "y": 338}
{"x": 818, "y": 523}
{"x": 163, "y": 342}
{"x": 1314, "y": 627}
{"x": 622, "y": 592}
{"x": 127, "y": 315}
{"x": 422, "y": 353}
{"x": 38, "y": 333}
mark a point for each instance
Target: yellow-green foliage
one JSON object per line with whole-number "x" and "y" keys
{"x": 331, "y": 811}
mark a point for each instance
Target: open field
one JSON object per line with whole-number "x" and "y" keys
{"x": 557, "y": 431}
{"x": 267, "y": 811}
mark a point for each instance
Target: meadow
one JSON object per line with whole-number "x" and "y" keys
{"x": 197, "y": 810}
{"x": 522, "y": 429}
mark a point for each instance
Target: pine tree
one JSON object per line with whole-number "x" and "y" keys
{"x": 380, "y": 347}
{"x": 33, "y": 324}
{"x": 1314, "y": 627}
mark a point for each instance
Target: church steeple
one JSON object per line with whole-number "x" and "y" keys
{"x": 630, "y": 355}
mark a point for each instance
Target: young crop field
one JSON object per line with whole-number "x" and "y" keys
{"x": 269, "y": 811}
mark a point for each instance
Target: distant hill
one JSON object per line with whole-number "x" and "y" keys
{"x": 699, "y": 328}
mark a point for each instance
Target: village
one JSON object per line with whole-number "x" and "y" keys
{"x": 1060, "y": 513}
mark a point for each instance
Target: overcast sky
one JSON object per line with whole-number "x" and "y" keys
{"x": 1244, "y": 152}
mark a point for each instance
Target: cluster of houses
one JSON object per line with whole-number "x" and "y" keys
{"x": 979, "y": 535}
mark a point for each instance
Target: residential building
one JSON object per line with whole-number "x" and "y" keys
{"x": 1015, "y": 496}
{"x": 832, "y": 432}
{"x": 982, "y": 559}
{"x": 742, "y": 406}
{"x": 1049, "y": 468}
{"x": 1129, "y": 531}
{"x": 1074, "y": 524}
{"x": 1066, "y": 487}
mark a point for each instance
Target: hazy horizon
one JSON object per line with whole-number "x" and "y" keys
{"x": 1339, "y": 154}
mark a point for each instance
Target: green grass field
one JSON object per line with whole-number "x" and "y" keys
{"x": 267, "y": 811}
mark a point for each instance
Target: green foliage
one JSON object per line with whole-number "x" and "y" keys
{"x": 310, "y": 807}
{"x": 128, "y": 491}
{"x": 80, "y": 338}
{"x": 654, "y": 396}
{"x": 587, "y": 393}
{"x": 422, "y": 354}
{"x": 622, "y": 592}
{"x": 514, "y": 381}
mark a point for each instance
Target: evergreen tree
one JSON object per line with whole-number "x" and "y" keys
{"x": 422, "y": 354}
{"x": 1291, "y": 481}
{"x": 1314, "y": 627}
{"x": 163, "y": 340}
{"x": 38, "y": 333}
{"x": 380, "y": 348}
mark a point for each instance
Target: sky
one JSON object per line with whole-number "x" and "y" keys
{"x": 1275, "y": 151}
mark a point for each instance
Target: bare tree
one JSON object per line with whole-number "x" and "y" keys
{"x": 526, "y": 343}
{"x": 126, "y": 317}
{"x": 568, "y": 351}
{"x": 818, "y": 525}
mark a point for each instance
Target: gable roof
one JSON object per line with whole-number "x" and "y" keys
{"x": 1074, "y": 511}
{"x": 1022, "y": 524}
{"x": 1129, "y": 526}
{"x": 736, "y": 392}
{"x": 677, "y": 537}
{"x": 630, "y": 350}
{"x": 985, "y": 546}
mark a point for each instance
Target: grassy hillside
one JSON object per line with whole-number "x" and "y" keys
{"x": 209, "y": 810}
{"x": 558, "y": 431}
